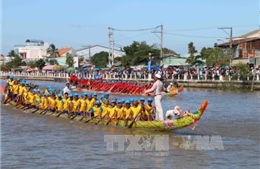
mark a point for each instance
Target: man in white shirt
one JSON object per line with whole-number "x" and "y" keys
{"x": 157, "y": 88}
{"x": 169, "y": 87}
{"x": 67, "y": 88}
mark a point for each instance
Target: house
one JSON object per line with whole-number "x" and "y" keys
{"x": 89, "y": 51}
{"x": 173, "y": 60}
{"x": 245, "y": 48}
{"x": 63, "y": 51}
{"x": 32, "y": 49}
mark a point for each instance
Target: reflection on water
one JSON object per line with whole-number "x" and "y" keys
{"x": 37, "y": 141}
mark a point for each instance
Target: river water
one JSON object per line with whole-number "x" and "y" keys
{"x": 231, "y": 120}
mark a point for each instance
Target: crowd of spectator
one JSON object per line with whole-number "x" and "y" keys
{"x": 171, "y": 72}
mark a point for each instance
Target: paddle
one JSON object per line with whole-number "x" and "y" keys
{"x": 59, "y": 114}
{"x": 131, "y": 124}
{"x": 101, "y": 119}
{"x": 91, "y": 119}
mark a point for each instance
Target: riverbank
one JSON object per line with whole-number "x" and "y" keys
{"x": 215, "y": 84}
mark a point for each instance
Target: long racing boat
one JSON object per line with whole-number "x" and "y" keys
{"x": 173, "y": 124}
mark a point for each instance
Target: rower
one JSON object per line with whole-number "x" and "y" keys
{"x": 70, "y": 105}
{"x": 142, "y": 100}
{"x": 136, "y": 109}
{"x": 96, "y": 111}
{"x": 94, "y": 95}
{"x": 59, "y": 104}
{"x": 106, "y": 95}
{"x": 119, "y": 109}
{"x": 149, "y": 109}
{"x": 83, "y": 103}
{"x": 66, "y": 104}
{"x": 112, "y": 109}
{"x": 127, "y": 112}
{"x": 76, "y": 104}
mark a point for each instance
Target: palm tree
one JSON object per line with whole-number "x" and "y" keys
{"x": 12, "y": 54}
{"x": 52, "y": 51}
{"x": 192, "y": 58}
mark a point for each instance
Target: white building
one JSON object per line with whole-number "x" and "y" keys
{"x": 32, "y": 50}
{"x": 87, "y": 52}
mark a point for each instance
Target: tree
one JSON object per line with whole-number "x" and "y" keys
{"x": 215, "y": 56}
{"x": 52, "y": 51}
{"x": 12, "y": 54}
{"x": 69, "y": 60}
{"x": 138, "y": 53}
{"x": 100, "y": 59}
{"x": 40, "y": 63}
{"x": 192, "y": 50}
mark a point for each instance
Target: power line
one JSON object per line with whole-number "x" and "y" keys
{"x": 213, "y": 27}
{"x": 133, "y": 30}
{"x": 131, "y": 37}
{"x": 207, "y": 37}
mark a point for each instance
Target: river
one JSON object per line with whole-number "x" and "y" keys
{"x": 35, "y": 141}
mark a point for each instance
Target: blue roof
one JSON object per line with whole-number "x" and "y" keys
{"x": 34, "y": 41}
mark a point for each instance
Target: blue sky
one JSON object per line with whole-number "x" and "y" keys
{"x": 84, "y": 22}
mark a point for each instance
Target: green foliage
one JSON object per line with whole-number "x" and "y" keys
{"x": 52, "y": 51}
{"x": 215, "y": 56}
{"x": 242, "y": 71}
{"x": 138, "y": 53}
{"x": 15, "y": 62}
{"x": 53, "y": 62}
{"x": 38, "y": 63}
{"x": 192, "y": 50}
{"x": 100, "y": 59}
{"x": 69, "y": 60}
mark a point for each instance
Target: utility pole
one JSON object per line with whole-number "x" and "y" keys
{"x": 161, "y": 55}
{"x": 161, "y": 38}
{"x": 230, "y": 39}
{"x": 111, "y": 47}
{"x": 89, "y": 52}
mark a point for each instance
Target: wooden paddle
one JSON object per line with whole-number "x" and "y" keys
{"x": 101, "y": 119}
{"x": 91, "y": 119}
{"x": 131, "y": 124}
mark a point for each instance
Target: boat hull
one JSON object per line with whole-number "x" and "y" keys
{"x": 153, "y": 125}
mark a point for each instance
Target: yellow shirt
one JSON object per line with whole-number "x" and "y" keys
{"x": 148, "y": 109}
{"x": 11, "y": 83}
{"x": 111, "y": 111}
{"x": 30, "y": 97}
{"x": 136, "y": 110}
{"x": 45, "y": 102}
{"x": 65, "y": 105}
{"x": 15, "y": 89}
{"x": 59, "y": 104}
{"x": 90, "y": 104}
{"x": 96, "y": 110}
{"x": 51, "y": 102}
{"x": 105, "y": 110}
{"x": 82, "y": 105}
{"x": 127, "y": 112}
{"x": 76, "y": 104}
{"x": 22, "y": 89}
{"x": 119, "y": 111}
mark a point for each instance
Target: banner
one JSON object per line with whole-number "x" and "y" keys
{"x": 149, "y": 65}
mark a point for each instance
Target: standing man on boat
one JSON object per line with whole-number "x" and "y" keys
{"x": 67, "y": 88}
{"x": 157, "y": 89}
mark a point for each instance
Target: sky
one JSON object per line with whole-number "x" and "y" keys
{"x": 78, "y": 23}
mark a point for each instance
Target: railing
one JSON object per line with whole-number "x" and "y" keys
{"x": 132, "y": 76}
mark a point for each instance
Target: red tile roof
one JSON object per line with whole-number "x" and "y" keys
{"x": 63, "y": 51}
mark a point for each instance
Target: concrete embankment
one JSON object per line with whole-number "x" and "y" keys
{"x": 216, "y": 84}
